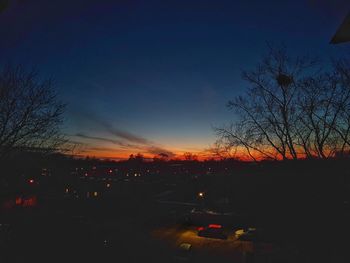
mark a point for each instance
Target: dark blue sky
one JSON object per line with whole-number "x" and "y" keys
{"x": 160, "y": 71}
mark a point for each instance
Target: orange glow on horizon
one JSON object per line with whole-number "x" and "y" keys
{"x": 178, "y": 155}
{"x": 203, "y": 155}
{"x": 124, "y": 155}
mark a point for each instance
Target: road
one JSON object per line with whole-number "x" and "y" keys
{"x": 230, "y": 250}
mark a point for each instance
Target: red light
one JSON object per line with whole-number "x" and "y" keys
{"x": 29, "y": 202}
{"x": 214, "y": 226}
{"x": 31, "y": 181}
{"x": 200, "y": 228}
{"x": 18, "y": 200}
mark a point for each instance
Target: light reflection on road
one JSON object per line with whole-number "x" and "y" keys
{"x": 232, "y": 248}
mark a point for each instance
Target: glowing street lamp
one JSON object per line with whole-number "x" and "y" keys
{"x": 201, "y": 194}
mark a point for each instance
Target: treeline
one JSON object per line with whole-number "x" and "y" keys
{"x": 293, "y": 107}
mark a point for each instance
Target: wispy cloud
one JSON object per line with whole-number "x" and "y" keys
{"x": 120, "y": 133}
{"x": 160, "y": 151}
{"x": 115, "y": 131}
{"x": 102, "y": 149}
{"x": 122, "y": 138}
{"x": 156, "y": 150}
{"x": 103, "y": 139}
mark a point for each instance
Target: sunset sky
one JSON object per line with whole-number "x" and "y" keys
{"x": 155, "y": 76}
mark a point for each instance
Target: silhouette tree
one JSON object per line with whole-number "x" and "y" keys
{"x": 291, "y": 109}
{"x": 138, "y": 158}
{"x": 188, "y": 156}
{"x": 30, "y": 112}
{"x": 341, "y": 105}
{"x": 161, "y": 157}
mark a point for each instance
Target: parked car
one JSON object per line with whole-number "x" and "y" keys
{"x": 212, "y": 231}
{"x": 202, "y": 216}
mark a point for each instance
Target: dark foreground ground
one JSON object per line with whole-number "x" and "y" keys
{"x": 304, "y": 211}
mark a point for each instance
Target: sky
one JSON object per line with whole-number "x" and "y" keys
{"x": 153, "y": 76}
